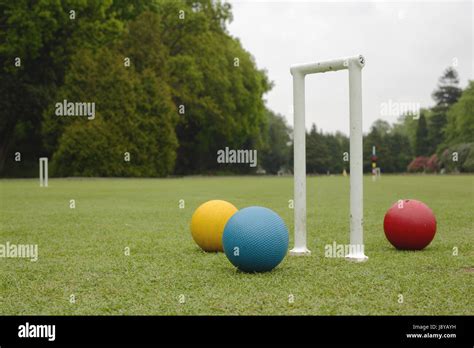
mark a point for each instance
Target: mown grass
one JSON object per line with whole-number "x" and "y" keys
{"x": 81, "y": 250}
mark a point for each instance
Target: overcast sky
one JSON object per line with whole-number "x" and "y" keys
{"x": 407, "y": 45}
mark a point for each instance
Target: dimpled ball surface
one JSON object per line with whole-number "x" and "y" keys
{"x": 409, "y": 225}
{"x": 255, "y": 239}
{"x": 208, "y": 222}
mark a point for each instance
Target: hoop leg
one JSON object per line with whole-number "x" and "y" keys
{"x": 299, "y": 165}
{"x": 356, "y": 165}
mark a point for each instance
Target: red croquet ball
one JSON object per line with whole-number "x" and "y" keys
{"x": 409, "y": 225}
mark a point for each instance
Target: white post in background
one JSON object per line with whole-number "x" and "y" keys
{"x": 356, "y": 164}
{"x": 355, "y": 65}
{"x": 299, "y": 158}
{"x": 43, "y": 171}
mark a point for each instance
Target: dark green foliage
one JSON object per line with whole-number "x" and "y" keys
{"x": 223, "y": 102}
{"x": 134, "y": 114}
{"x": 446, "y": 94}
{"x": 174, "y": 62}
{"x": 43, "y": 36}
{"x": 325, "y": 152}
{"x": 317, "y": 152}
{"x": 422, "y": 146}
{"x": 448, "y": 91}
{"x": 393, "y": 148}
{"x": 276, "y": 153}
{"x": 436, "y": 125}
{"x": 460, "y": 125}
{"x": 338, "y": 145}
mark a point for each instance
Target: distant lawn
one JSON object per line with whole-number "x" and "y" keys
{"x": 81, "y": 250}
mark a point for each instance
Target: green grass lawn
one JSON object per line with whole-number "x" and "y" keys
{"x": 81, "y": 250}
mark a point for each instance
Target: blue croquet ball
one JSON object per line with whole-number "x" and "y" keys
{"x": 255, "y": 239}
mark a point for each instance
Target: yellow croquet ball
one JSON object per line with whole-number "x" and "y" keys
{"x": 208, "y": 222}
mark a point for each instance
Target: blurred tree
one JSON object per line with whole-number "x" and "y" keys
{"x": 460, "y": 125}
{"x": 344, "y": 146}
{"x": 392, "y": 148}
{"x": 317, "y": 152}
{"x": 183, "y": 44}
{"x": 458, "y": 158}
{"x": 324, "y": 152}
{"x": 406, "y": 125}
{"x": 446, "y": 94}
{"x": 400, "y": 152}
{"x": 215, "y": 81}
{"x": 134, "y": 107}
{"x": 436, "y": 125}
{"x": 134, "y": 114}
{"x": 336, "y": 145}
{"x": 376, "y": 137}
{"x": 422, "y": 146}
{"x": 448, "y": 91}
{"x": 41, "y": 34}
{"x": 276, "y": 152}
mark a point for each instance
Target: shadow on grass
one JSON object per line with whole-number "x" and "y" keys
{"x": 231, "y": 270}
